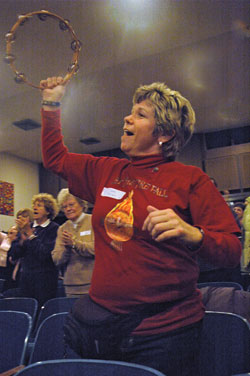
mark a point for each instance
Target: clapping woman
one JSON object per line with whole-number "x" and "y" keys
{"x": 39, "y": 275}
{"x": 74, "y": 248}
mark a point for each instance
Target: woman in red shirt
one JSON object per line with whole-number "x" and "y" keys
{"x": 152, "y": 216}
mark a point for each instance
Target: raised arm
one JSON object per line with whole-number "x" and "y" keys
{"x": 56, "y": 156}
{"x": 53, "y": 149}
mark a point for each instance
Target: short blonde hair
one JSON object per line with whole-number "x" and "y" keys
{"x": 49, "y": 202}
{"x": 174, "y": 115}
{"x": 64, "y": 195}
{"x": 26, "y": 212}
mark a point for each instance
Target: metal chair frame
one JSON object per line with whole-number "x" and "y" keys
{"x": 88, "y": 367}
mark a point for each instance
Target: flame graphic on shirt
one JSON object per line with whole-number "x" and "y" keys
{"x": 119, "y": 221}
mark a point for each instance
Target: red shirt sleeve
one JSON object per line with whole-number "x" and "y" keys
{"x": 210, "y": 212}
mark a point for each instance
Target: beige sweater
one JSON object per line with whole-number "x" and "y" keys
{"x": 79, "y": 260}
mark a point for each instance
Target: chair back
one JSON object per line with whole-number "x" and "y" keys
{"x": 52, "y": 306}
{"x": 236, "y": 285}
{"x": 49, "y": 342}
{"x": 87, "y": 367}
{"x": 225, "y": 344}
{"x": 28, "y": 305}
{"x": 15, "y": 329}
{"x": 13, "y": 293}
{"x": 1, "y": 284}
{"x": 60, "y": 292}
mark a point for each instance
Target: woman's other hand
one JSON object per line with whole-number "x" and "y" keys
{"x": 67, "y": 238}
{"x": 166, "y": 224}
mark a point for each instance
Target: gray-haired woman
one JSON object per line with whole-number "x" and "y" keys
{"x": 74, "y": 248}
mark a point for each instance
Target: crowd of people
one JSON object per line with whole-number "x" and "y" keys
{"x": 36, "y": 245}
{"x": 74, "y": 258}
{"x": 10, "y": 264}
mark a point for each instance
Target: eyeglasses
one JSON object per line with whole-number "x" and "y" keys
{"x": 71, "y": 205}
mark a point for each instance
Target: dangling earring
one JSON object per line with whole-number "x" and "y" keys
{"x": 160, "y": 143}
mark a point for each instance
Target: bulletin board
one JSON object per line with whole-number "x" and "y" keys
{"x": 6, "y": 198}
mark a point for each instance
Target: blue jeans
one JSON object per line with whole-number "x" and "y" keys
{"x": 174, "y": 354}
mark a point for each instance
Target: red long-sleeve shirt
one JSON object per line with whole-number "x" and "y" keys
{"x": 130, "y": 267}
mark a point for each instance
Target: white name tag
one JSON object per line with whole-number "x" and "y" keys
{"x": 84, "y": 233}
{"x": 113, "y": 193}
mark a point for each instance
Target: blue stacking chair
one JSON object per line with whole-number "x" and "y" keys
{"x": 87, "y": 367}
{"x": 225, "y": 344}
{"x": 1, "y": 284}
{"x": 13, "y": 293}
{"x": 28, "y": 305}
{"x": 52, "y": 306}
{"x": 15, "y": 328}
{"x": 236, "y": 285}
{"x": 49, "y": 343}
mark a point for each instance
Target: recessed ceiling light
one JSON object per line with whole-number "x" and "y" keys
{"x": 90, "y": 141}
{"x": 27, "y": 124}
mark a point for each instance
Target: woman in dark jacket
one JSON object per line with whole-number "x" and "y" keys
{"x": 39, "y": 274}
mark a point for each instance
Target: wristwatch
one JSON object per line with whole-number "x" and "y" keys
{"x": 197, "y": 246}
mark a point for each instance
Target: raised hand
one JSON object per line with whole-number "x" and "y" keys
{"x": 53, "y": 89}
{"x": 23, "y": 225}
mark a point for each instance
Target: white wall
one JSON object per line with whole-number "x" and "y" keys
{"x": 24, "y": 175}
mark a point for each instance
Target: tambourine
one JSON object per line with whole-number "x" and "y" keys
{"x": 64, "y": 25}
